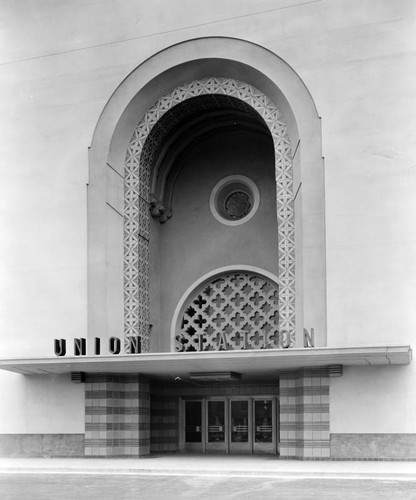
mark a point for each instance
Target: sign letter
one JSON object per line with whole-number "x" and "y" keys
{"x": 135, "y": 345}
{"x": 179, "y": 347}
{"x": 114, "y": 345}
{"x": 285, "y": 340}
{"x": 97, "y": 346}
{"x": 308, "y": 339}
{"x": 200, "y": 341}
{"x": 222, "y": 342}
{"x": 80, "y": 347}
{"x": 60, "y": 347}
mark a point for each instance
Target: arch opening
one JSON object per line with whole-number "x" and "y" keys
{"x": 185, "y": 126}
{"x": 114, "y": 289}
{"x": 140, "y": 159}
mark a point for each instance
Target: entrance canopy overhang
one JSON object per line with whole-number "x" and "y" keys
{"x": 250, "y": 363}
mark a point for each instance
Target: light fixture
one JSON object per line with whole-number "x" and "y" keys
{"x": 215, "y": 376}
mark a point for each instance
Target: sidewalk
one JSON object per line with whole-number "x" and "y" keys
{"x": 215, "y": 465}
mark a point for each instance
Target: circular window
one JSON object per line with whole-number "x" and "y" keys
{"x": 234, "y": 200}
{"x": 237, "y": 205}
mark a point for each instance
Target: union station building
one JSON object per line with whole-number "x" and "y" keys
{"x": 213, "y": 248}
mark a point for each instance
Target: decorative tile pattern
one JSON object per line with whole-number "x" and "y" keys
{"x": 304, "y": 414}
{"x": 232, "y": 311}
{"x": 165, "y": 424}
{"x": 147, "y": 138}
{"x": 117, "y": 415}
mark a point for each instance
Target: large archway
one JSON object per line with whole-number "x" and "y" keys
{"x": 139, "y": 159}
{"x": 270, "y": 84}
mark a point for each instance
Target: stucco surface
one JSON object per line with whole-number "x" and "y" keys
{"x": 42, "y": 445}
{"x": 60, "y": 65}
{"x": 41, "y": 404}
{"x": 194, "y": 243}
{"x": 373, "y": 446}
{"x": 376, "y": 399}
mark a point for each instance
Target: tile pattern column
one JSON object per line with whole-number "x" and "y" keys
{"x": 117, "y": 415}
{"x": 165, "y": 423}
{"x": 304, "y": 414}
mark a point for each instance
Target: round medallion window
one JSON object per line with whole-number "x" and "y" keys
{"x": 237, "y": 205}
{"x": 234, "y": 200}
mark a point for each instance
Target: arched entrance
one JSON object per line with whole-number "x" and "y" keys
{"x": 157, "y": 162}
{"x": 141, "y": 171}
{"x": 114, "y": 283}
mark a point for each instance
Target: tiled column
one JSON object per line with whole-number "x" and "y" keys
{"x": 117, "y": 415}
{"x": 304, "y": 414}
{"x": 164, "y": 426}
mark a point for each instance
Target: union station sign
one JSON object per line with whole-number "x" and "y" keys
{"x": 133, "y": 344}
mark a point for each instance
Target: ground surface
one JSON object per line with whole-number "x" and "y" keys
{"x": 43, "y": 486}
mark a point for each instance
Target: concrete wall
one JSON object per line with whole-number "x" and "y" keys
{"x": 376, "y": 399}
{"x": 42, "y": 404}
{"x": 373, "y": 446}
{"x": 61, "y": 63}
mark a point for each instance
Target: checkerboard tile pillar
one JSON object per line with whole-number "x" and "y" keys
{"x": 117, "y": 415}
{"x": 165, "y": 423}
{"x": 304, "y": 414}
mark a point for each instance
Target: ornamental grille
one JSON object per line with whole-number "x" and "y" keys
{"x": 234, "y": 311}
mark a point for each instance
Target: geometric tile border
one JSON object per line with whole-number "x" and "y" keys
{"x": 138, "y": 163}
{"x": 164, "y": 427}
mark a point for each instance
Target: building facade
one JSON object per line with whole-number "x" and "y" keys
{"x": 236, "y": 276}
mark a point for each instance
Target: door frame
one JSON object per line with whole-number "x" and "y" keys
{"x": 217, "y": 447}
{"x": 245, "y": 447}
{"x": 228, "y": 447}
{"x": 183, "y": 445}
{"x": 262, "y": 448}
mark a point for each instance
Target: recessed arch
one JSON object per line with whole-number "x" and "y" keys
{"x": 196, "y": 118}
{"x": 160, "y": 74}
{"x": 139, "y": 159}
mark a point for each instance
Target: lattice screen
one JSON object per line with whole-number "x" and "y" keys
{"x": 233, "y": 311}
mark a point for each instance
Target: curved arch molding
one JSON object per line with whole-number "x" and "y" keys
{"x": 137, "y": 197}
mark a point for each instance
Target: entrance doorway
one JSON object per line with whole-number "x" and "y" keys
{"x": 230, "y": 425}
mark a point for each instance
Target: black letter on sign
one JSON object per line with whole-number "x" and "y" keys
{"x": 97, "y": 345}
{"x": 60, "y": 347}
{"x": 80, "y": 347}
{"x": 285, "y": 340}
{"x": 135, "y": 345}
{"x": 114, "y": 345}
{"x": 308, "y": 339}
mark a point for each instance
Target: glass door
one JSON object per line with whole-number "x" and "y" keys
{"x": 193, "y": 426}
{"x": 264, "y": 427}
{"x": 240, "y": 426}
{"x": 216, "y": 427}
{"x": 229, "y": 425}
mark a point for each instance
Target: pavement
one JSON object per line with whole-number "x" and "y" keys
{"x": 213, "y": 465}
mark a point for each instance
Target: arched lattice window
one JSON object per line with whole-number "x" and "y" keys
{"x": 233, "y": 311}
